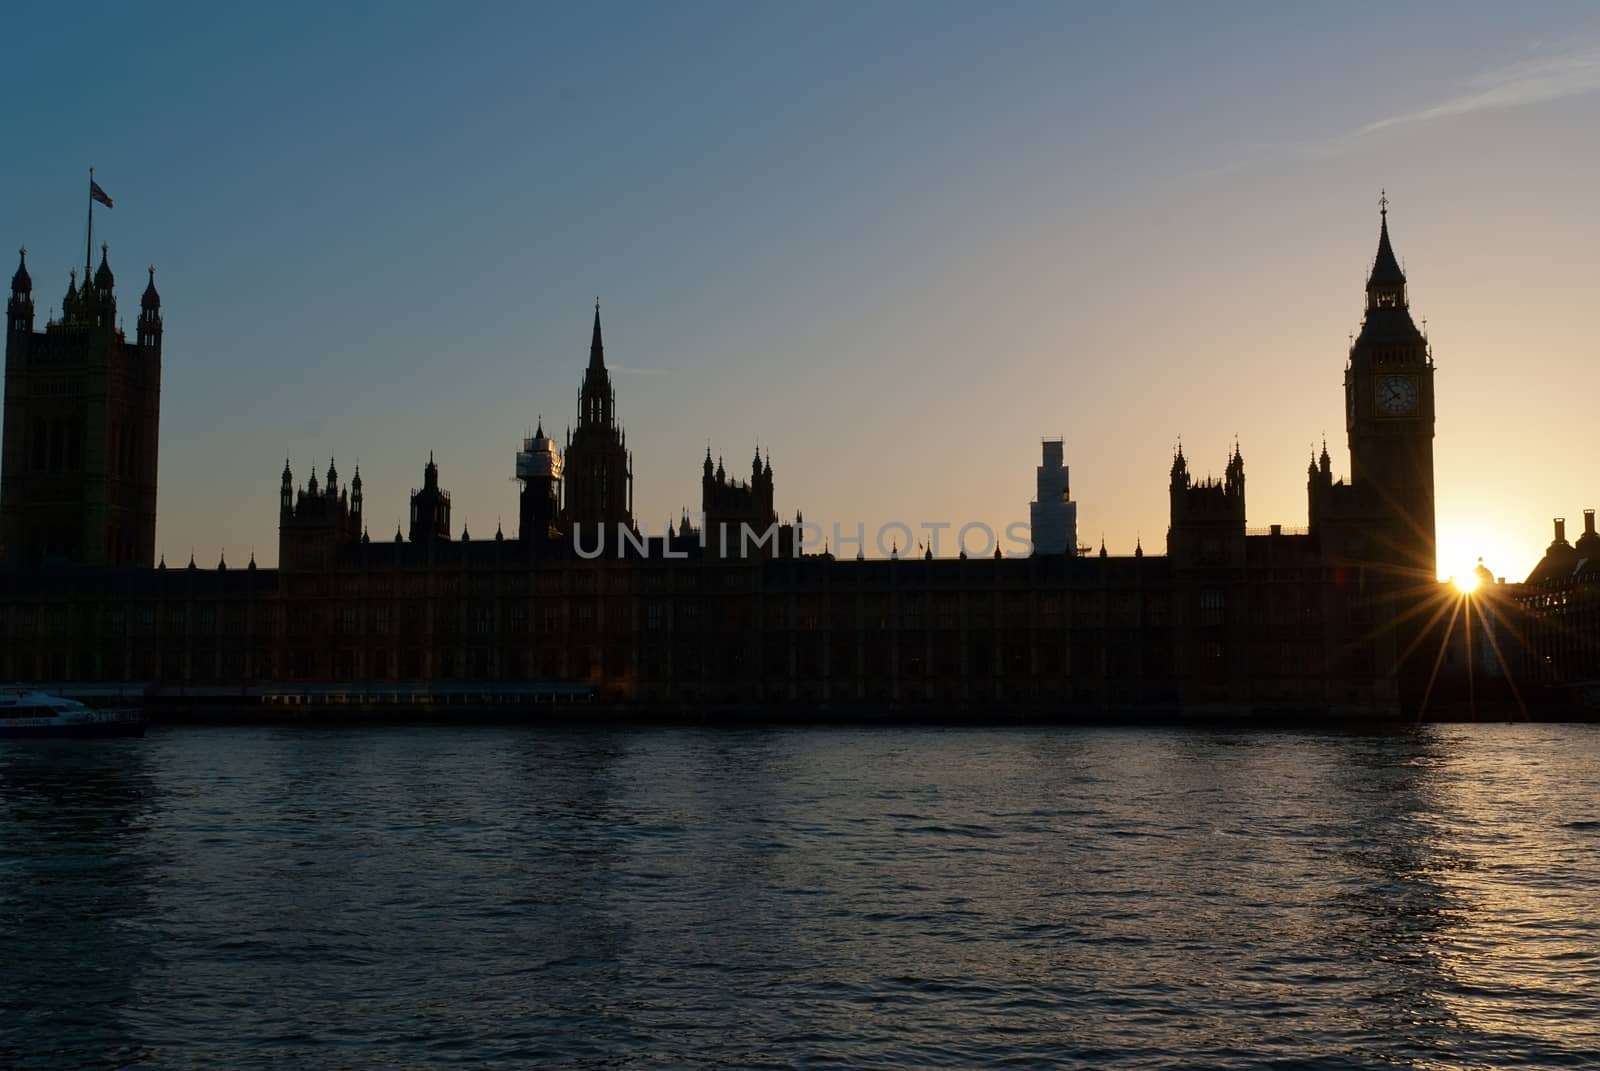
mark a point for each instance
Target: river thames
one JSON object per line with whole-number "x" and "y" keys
{"x": 494, "y": 897}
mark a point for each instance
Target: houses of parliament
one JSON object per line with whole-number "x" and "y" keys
{"x": 1342, "y": 616}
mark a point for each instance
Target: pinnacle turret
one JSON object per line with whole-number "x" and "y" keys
{"x": 1386, "y": 270}
{"x": 1386, "y": 282}
{"x": 103, "y": 278}
{"x": 597, "y": 348}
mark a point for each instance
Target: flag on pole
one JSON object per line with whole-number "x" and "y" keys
{"x": 98, "y": 194}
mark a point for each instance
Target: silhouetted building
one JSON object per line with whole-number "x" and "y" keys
{"x": 539, "y": 470}
{"x": 1560, "y": 604}
{"x": 1335, "y": 616}
{"x": 1053, "y": 516}
{"x": 82, "y": 409}
{"x": 737, "y": 513}
{"x": 316, "y": 524}
{"x": 1207, "y": 525}
{"x": 598, "y": 467}
{"x": 1389, "y": 415}
{"x": 430, "y": 507}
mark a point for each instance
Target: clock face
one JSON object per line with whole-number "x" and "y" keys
{"x": 1397, "y": 395}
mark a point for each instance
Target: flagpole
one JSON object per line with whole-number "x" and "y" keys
{"x": 88, "y": 245}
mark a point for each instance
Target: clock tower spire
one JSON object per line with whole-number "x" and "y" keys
{"x": 1389, "y": 415}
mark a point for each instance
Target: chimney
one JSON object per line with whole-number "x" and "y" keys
{"x": 1561, "y": 529}
{"x": 1588, "y": 522}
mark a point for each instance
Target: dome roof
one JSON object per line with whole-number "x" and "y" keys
{"x": 1560, "y": 558}
{"x": 22, "y": 282}
{"x": 151, "y": 299}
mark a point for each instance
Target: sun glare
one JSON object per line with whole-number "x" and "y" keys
{"x": 1505, "y": 552}
{"x": 1466, "y": 583}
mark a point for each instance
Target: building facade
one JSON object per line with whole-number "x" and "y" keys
{"x": 1335, "y": 616}
{"x": 1559, "y": 615}
{"x": 597, "y": 467}
{"x": 1052, "y": 515}
{"x": 82, "y": 412}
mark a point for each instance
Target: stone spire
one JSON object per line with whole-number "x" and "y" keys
{"x": 22, "y": 282}
{"x": 597, "y": 348}
{"x": 1386, "y": 283}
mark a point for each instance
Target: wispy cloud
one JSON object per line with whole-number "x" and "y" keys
{"x": 1536, "y": 81}
{"x": 1570, "y": 74}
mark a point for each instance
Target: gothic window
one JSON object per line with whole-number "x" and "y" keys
{"x": 1050, "y": 609}
{"x": 1156, "y": 611}
{"x": 911, "y": 612}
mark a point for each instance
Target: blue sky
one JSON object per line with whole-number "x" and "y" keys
{"x": 896, "y": 244}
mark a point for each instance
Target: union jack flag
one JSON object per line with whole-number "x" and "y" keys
{"x": 98, "y": 194}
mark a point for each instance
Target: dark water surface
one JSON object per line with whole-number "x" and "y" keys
{"x": 428, "y": 897}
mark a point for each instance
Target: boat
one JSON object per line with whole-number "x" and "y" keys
{"x": 34, "y": 714}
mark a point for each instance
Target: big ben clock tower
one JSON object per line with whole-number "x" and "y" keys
{"x": 1389, "y": 415}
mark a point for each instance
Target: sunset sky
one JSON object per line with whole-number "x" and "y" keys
{"x": 896, "y": 244}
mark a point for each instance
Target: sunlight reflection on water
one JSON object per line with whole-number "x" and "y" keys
{"x": 881, "y": 898}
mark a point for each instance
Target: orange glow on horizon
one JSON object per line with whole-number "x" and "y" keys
{"x": 1467, "y": 540}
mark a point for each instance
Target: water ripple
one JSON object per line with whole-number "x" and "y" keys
{"x": 1108, "y": 898}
